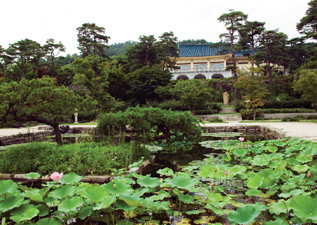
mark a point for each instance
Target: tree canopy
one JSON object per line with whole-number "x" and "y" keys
{"x": 38, "y": 100}
{"x": 308, "y": 24}
{"x": 92, "y": 40}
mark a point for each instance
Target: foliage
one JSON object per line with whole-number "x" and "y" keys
{"x": 247, "y": 114}
{"x": 233, "y": 22}
{"x": 148, "y": 124}
{"x": 307, "y": 24}
{"x": 95, "y": 86}
{"x": 272, "y": 175}
{"x": 272, "y": 46}
{"x": 250, "y": 35}
{"x": 151, "y": 52}
{"x": 144, "y": 81}
{"x": 92, "y": 40}
{"x": 37, "y": 100}
{"x": 52, "y": 49}
{"x": 307, "y": 85}
{"x": 254, "y": 92}
{"x": 117, "y": 49}
{"x": 24, "y": 51}
{"x": 192, "y": 93}
{"x": 292, "y": 110}
{"x": 84, "y": 158}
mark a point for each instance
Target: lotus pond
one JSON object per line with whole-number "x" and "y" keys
{"x": 263, "y": 182}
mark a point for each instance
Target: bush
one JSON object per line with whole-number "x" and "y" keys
{"x": 216, "y": 120}
{"x": 296, "y": 110}
{"x": 83, "y": 158}
{"x": 290, "y": 104}
{"x": 247, "y": 114}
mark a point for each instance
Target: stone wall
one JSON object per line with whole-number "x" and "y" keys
{"x": 287, "y": 115}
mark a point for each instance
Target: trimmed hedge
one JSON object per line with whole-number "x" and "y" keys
{"x": 297, "y": 110}
{"x": 289, "y": 104}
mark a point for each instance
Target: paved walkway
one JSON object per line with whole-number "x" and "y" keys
{"x": 305, "y": 130}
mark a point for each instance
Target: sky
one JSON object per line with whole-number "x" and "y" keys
{"x": 126, "y": 20}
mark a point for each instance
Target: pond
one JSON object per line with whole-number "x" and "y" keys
{"x": 221, "y": 180}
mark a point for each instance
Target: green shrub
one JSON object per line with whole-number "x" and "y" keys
{"x": 216, "y": 120}
{"x": 82, "y": 158}
{"x": 247, "y": 114}
{"x": 283, "y": 103}
{"x": 295, "y": 110}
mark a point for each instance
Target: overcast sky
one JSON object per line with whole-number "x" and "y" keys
{"x": 125, "y": 20}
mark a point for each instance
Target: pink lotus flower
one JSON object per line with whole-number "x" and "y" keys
{"x": 226, "y": 173}
{"x": 56, "y": 176}
{"x": 309, "y": 174}
{"x": 241, "y": 139}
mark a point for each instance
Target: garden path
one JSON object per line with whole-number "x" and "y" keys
{"x": 305, "y": 130}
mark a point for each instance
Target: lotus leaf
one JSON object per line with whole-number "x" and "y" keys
{"x": 258, "y": 206}
{"x": 120, "y": 204}
{"x": 106, "y": 202}
{"x": 131, "y": 200}
{"x": 240, "y": 152}
{"x": 217, "y": 211}
{"x": 302, "y": 158}
{"x": 292, "y": 161}
{"x": 226, "y": 157}
{"x": 191, "y": 168}
{"x": 11, "y": 202}
{"x": 188, "y": 199}
{"x": 34, "y": 195}
{"x": 255, "y": 150}
{"x": 8, "y": 186}
{"x": 23, "y": 213}
{"x": 49, "y": 221}
{"x": 267, "y": 182}
{"x": 243, "y": 215}
{"x": 279, "y": 221}
{"x": 117, "y": 188}
{"x": 44, "y": 209}
{"x": 272, "y": 149}
{"x": 63, "y": 192}
{"x": 304, "y": 206}
{"x": 255, "y": 181}
{"x": 162, "y": 194}
{"x": 71, "y": 178}
{"x": 70, "y": 204}
{"x": 296, "y": 179}
{"x": 301, "y": 168}
{"x": 272, "y": 191}
{"x": 124, "y": 179}
{"x": 166, "y": 171}
{"x": 182, "y": 182}
{"x": 253, "y": 192}
{"x": 32, "y": 175}
{"x": 134, "y": 174}
{"x": 95, "y": 193}
{"x": 195, "y": 212}
{"x": 148, "y": 181}
{"x": 278, "y": 208}
{"x": 260, "y": 160}
{"x": 276, "y": 174}
{"x": 84, "y": 212}
{"x": 136, "y": 164}
{"x": 157, "y": 206}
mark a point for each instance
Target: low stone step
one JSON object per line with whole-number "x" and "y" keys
{"x": 226, "y": 117}
{"x": 228, "y": 110}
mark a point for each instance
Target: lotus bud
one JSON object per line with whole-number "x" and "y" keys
{"x": 308, "y": 156}
{"x": 92, "y": 173}
{"x": 114, "y": 186}
{"x": 309, "y": 174}
{"x": 241, "y": 139}
{"x": 226, "y": 173}
{"x": 212, "y": 185}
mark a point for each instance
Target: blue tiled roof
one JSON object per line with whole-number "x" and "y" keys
{"x": 203, "y": 50}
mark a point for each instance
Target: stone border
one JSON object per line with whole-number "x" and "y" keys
{"x": 270, "y": 133}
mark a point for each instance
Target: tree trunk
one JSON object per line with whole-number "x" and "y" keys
{"x": 234, "y": 69}
{"x": 254, "y": 113}
{"x": 58, "y": 135}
